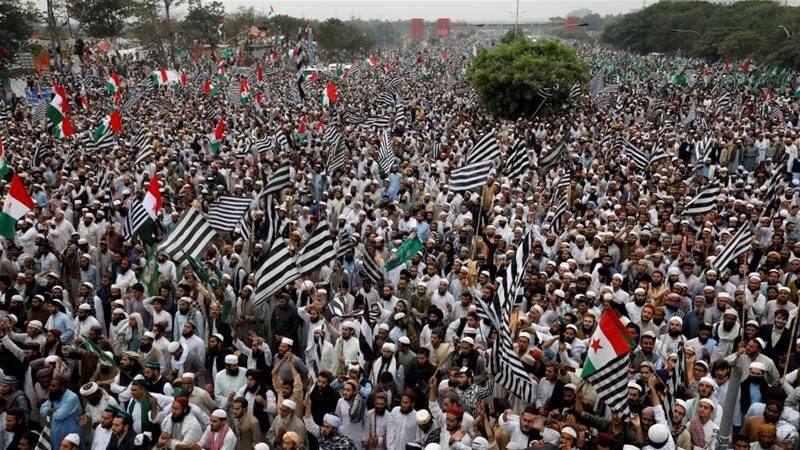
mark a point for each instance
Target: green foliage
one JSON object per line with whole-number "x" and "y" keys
{"x": 200, "y": 23}
{"x": 101, "y": 18}
{"x": 508, "y": 77}
{"x": 334, "y": 34}
{"x": 16, "y": 28}
{"x": 737, "y": 30}
{"x": 283, "y": 24}
{"x": 512, "y": 35}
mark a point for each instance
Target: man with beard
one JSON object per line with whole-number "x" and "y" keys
{"x": 229, "y": 380}
{"x": 192, "y": 342}
{"x": 435, "y": 316}
{"x": 401, "y": 425}
{"x": 750, "y": 353}
{"x": 119, "y": 331}
{"x": 777, "y": 336}
{"x": 770, "y": 416}
{"x": 347, "y": 346}
{"x": 63, "y": 408}
{"x": 285, "y": 322}
{"x": 155, "y": 307}
{"x": 526, "y": 428}
{"x": 183, "y": 361}
{"x": 452, "y": 434}
{"x": 703, "y": 344}
{"x": 635, "y": 307}
{"x": 286, "y": 421}
{"x": 146, "y": 409}
{"x": 387, "y": 363}
{"x": 179, "y": 428}
{"x": 71, "y": 441}
{"x": 155, "y": 382}
{"x": 350, "y": 409}
{"x": 15, "y": 427}
{"x": 320, "y": 351}
{"x": 402, "y": 327}
{"x": 753, "y": 389}
{"x": 470, "y": 358}
{"x": 245, "y": 426}
{"x": 470, "y": 393}
{"x": 705, "y": 390}
{"x": 196, "y": 395}
{"x": 187, "y": 314}
{"x": 97, "y": 401}
{"x": 428, "y": 430}
{"x": 726, "y": 332}
{"x": 12, "y": 397}
{"x": 672, "y": 339}
{"x": 374, "y": 436}
{"x": 218, "y": 436}
{"x": 102, "y": 433}
{"x": 147, "y": 351}
{"x": 215, "y": 357}
{"x": 312, "y": 321}
{"x": 328, "y": 435}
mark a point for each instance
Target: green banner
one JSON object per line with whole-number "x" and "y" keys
{"x": 407, "y": 249}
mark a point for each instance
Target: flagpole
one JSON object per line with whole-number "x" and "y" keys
{"x": 792, "y": 339}
{"x": 478, "y": 223}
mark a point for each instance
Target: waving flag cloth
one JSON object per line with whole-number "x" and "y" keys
{"x": 329, "y": 95}
{"x": 17, "y": 203}
{"x": 113, "y": 83}
{"x": 606, "y": 366}
{"x": 216, "y": 137}
{"x": 3, "y": 164}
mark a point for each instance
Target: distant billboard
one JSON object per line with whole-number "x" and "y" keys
{"x": 572, "y": 22}
{"x": 418, "y": 30}
{"x": 443, "y": 27}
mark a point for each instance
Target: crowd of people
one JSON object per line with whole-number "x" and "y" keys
{"x": 98, "y": 354}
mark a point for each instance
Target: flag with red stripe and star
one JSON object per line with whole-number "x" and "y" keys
{"x": 607, "y": 360}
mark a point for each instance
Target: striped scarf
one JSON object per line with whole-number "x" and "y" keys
{"x": 696, "y": 432}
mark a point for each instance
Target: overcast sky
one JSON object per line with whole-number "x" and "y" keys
{"x": 469, "y": 10}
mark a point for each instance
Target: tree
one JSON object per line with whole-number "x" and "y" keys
{"x": 100, "y": 18}
{"x": 201, "y": 22}
{"x": 508, "y": 77}
{"x": 283, "y": 24}
{"x": 512, "y": 35}
{"x": 337, "y": 35}
{"x": 16, "y": 27}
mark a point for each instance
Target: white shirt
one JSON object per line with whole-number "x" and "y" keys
{"x": 101, "y": 438}
{"x": 228, "y": 443}
{"x": 400, "y": 429}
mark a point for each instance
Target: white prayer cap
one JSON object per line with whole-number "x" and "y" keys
{"x": 333, "y": 420}
{"x": 86, "y": 283}
{"x": 404, "y": 340}
{"x": 261, "y": 446}
{"x": 423, "y": 416}
{"x": 710, "y": 381}
{"x": 52, "y": 359}
{"x": 35, "y": 324}
{"x": 84, "y": 307}
{"x": 480, "y": 443}
{"x": 89, "y": 388}
{"x": 681, "y": 403}
{"x": 761, "y": 343}
{"x": 569, "y": 431}
{"x": 189, "y": 375}
{"x": 383, "y": 326}
{"x": 118, "y": 311}
{"x": 291, "y": 404}
{"x": 218, "y": 336}
{"x": 525, "y": 335}
{"x": 149, "y": 334}
{"x": 399, "y": 316}
{"x": 231, "y": 359}
{"x": 468, "y": 340}
{"x": 220, "y": 414}
{"x": 573, "y": 327}
{"x": 433, "y": 446}
{"x": 658, "y": 433}
{"x": 676, "y": 319}
{"x": 349, "y": 324}
{"x": 73, "y": 438}
{"x": 758, "y": 365}
{"x": 388, "y": 346}
{"x": 173, "y": 347}
{"x": 708, "y": 402}
{"x": 287, "y": 341}
{"x": 634, "y": 385}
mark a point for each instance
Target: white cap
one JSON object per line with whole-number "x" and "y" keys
{"x": 658, "y": 433}
{"x": 84, "y": 307}
{"x": 399, "y": 316}
{"x": 708, "y": 402}
{"x": 388, "y": 346}
{"x": 634, "y": 385}
{"x": 404, "y": 340}
{"x": 189, "y": 375}
{"x": 287, "y": 341}
{"x": 758, "y": 365}
{"x": 73, "y": 438}
{"x": 261, "y": 446}
{"x": 480, "y": 443}
{"x": 383, "y": 326}
{"x": 468, "y": 340}
{"x": 89, "y": 388}
{"x": 761, "y": 343}
{"x": 433, "y": 446}
{"x": 220, "y": 414}
{"x": 423, "y": 416}
{"x": 569, "y": 431}
{"x": 52, "y": 359}
{"x": 173, "y": 347}
{"x": 349, "y": 324}
{"x": 291, "y": 404}
{"x": 710, "y": 381}
{"x": 231, "y": 359}
{"x": 149, "y": 334}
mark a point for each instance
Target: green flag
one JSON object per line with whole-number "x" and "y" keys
{"x": 90, "y": 346}
{"x": 198, "y": 270}
{"x": 150, "y": 273}
{"x": 407, "y": 249}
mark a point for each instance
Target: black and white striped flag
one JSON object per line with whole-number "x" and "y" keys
{"x": 275, "y": 272}
{"x": 574, "y": 91}
{"x": 611, "y": 383}
{"x": 518, "y": 162}
{"x": 597, "y": 85}
{"x": 378, "y": 121}
{"x": 190, "y": 238}
{"x": 39, "y": 112}
{"x": 346, "y": 243}
{"x": 637, "y": 155}
{"x": 486, "y": 149}
{"x": 704, "y": 202}
{"x": 557, "y": 225}
{"x": 44, "y": 442}
{"x": 551, "y": 159}
{"x": 740, "y": 243}
{"x": 677, "y": 378}
{"x": 282, "y": 141}
{"x": 337, "y": 157}
{"x": 385, "y": 99}
{"x": 280, "y": 180}
{"x": 353, "y": 118}
{"x": 318, "y": 250}
{"x": 371, "y": 269}
{"x": 399, "y": 112}
{"x": 226, "y": 213}
{"x": 137, "y": 216}
{"x": 386, "y": 156}
{"x": 470, "y": 176}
